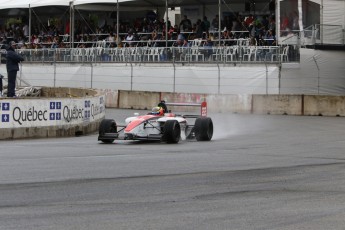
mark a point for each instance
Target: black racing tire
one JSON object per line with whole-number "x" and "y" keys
{"x": 203, "y": 129}
{"x": 107, "y": 126}
{"x": 172, "y": 131}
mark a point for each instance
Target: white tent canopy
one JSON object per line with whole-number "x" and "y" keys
{"x": 8, "y": 4}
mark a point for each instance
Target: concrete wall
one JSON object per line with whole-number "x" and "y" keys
{"x": 49, "y": 131}
{"x": 324, "y": 105}
{"x": 277, "y": 104}
{"x": 309, "y": 105}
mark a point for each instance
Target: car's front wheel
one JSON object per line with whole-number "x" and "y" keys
{"x": 107, "y": 126}
{"x": 172, "y": 131}
{"x": 203, "y": 129}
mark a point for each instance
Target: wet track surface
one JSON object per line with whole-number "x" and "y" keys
{"x": 258, "y": 172}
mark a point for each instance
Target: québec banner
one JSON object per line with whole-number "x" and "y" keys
{"x": 19, "y": 113}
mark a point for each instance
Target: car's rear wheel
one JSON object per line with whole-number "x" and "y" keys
{"x": 203, "y": 129}
{"x": 172, "y": 131}
{"x": 107, "y": 126}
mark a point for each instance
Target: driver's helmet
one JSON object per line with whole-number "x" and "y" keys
{"x": 157, "y": 111}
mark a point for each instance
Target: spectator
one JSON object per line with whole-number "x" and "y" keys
{"x": 186, "y": 24}
{"x": 249, "y": 20}
{"x": 170, "y": 33}
{"x": 208, "y": 50}
{"x": 285, "y": 25}
{"x": 55, "y": 43}
{"x": 130, "y": 38}
{"x": 215, "y": 22}
{"x": 180, "y": 36}
{"x": 227, "y": 36}
{"x": 205, "y": 25}
{"x": 154, "y": 37}
{"x": 12, "y": 60}
{"x": 270, "y": 38}
{"x": 198, "y": 29}
{"x": 1, "y": 77}
{"x": 271, "y": 24}
{"x": 185, "y": 50}
{"x": 228, "y": 22}
{"x": 110, "y": 38}
{"x": 35, "y": 39}
{"x": 26, "y": 30}
{"x": 295, "y": 21}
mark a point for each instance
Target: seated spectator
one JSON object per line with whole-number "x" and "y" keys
{"x": 252, "y": 41}
{"x": 228, "y": 37}
{"x": 130, "y": 38}
{"x": 55, "y": 43}
{"x": 185, "y": 49}
{"x": 35, "y": 39}
{"x": 270, "y": 38}
{"x": 154, "y": 35}
{"x": 170, "y": 33}
{"x": 110, "y": 38}
{"x": 180, "y": 36}
{"x": 185, "y": 43}
{"x": 208, "y": 50}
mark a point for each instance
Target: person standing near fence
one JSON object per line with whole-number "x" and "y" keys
{"x": 12, "y": 61}
{"x": 1, "y": 77}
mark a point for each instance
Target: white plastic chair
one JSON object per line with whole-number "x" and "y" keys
{"x": 249, "y": 54}
{"x": 153, "y": 53}
{"x": 285, "y": 54}
{"x": 230, "y": 53}
{"x": 195, "y": 52}
{"x": 217, "y": 54}
{"x": 78, "y": 54}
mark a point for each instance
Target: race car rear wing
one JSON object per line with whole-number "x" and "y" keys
{"x": 202, "y": 105}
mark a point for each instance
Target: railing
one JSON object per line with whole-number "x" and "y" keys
{"x": 315, "y": 34}
{"x": 194, "y": 54}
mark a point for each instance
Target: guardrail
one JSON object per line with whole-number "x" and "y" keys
{"x": 318, "y": 34}
{"x": 193, "y": 54}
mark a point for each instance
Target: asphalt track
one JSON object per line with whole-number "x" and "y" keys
{"x": 259, "y": 172}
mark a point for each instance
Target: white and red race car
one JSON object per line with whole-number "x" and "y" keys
{"x": 160, "y": 125}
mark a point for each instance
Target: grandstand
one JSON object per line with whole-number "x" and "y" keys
{"x": 305, "y": 55}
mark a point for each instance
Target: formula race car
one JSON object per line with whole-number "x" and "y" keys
{"x": 160, "y": 125}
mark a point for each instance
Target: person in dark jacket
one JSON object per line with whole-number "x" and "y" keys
{"x": 1, "y": 77}
{"x": 12, "y": 60}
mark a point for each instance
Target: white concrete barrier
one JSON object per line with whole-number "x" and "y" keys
{"x": 51, "y": 116}
{"x": 257, "y": 104}
{"x": 277, "y": 104}
{"x": 324, "y": 105}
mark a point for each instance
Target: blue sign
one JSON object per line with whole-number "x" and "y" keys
{"x": 87, "y": 104}
{"x": 5, "y": 106}
{"x": 52, "y": 105}
{"x": 55, "y": 105}
{"x": 5, "y": 118}
{"x": 58, "y": 116}
{"x": 52, "y": 116}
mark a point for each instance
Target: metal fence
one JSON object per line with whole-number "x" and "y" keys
{"x": 194, "y": 54}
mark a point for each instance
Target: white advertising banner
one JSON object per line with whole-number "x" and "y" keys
{"x": 21, "y": 113}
